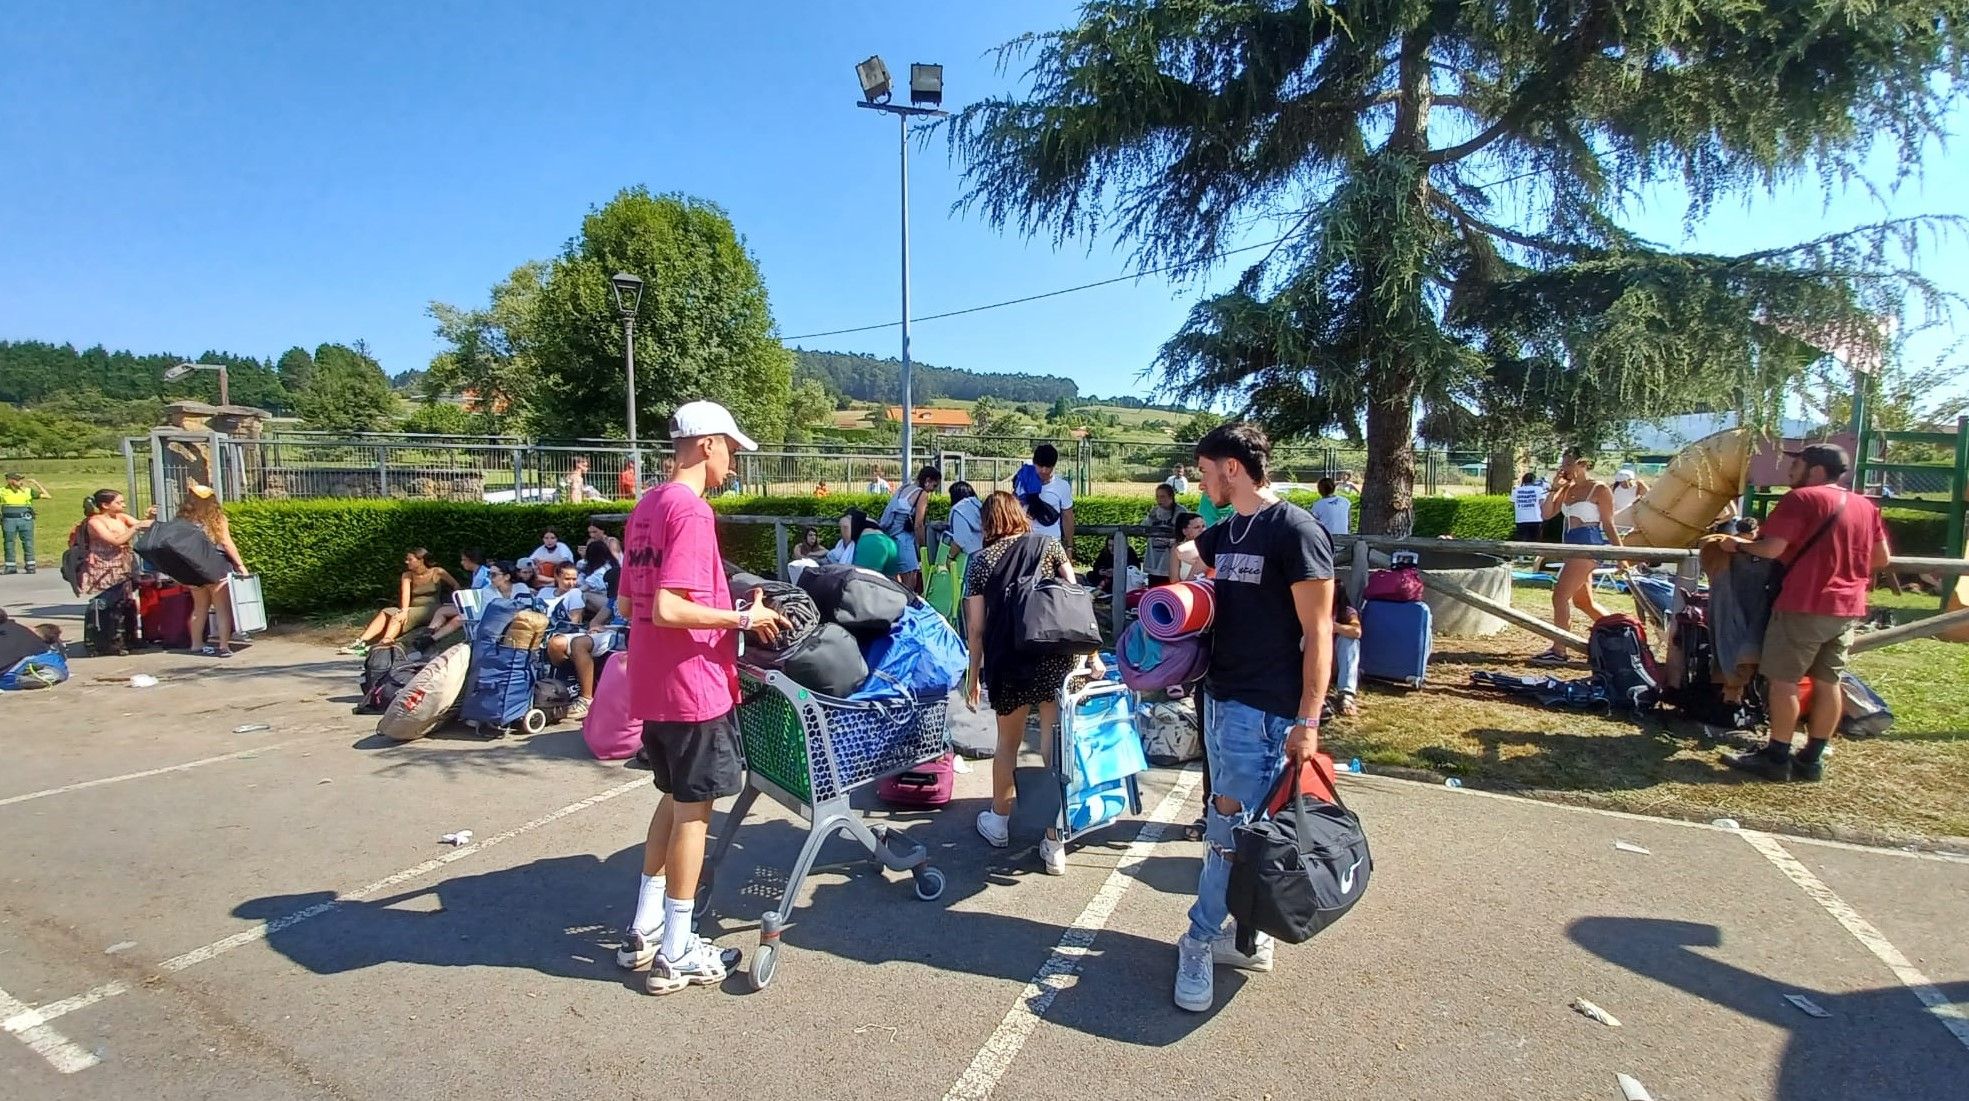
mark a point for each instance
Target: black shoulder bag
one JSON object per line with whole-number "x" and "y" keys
{"x": 1781, "y": 566}
{"x": 1056, "y": 617}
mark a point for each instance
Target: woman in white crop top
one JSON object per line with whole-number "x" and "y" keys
{"x": 1586, "y": 504}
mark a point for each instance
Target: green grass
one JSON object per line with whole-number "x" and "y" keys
{"x": 69, "y": 480}
{"x": 1911, "y": 784}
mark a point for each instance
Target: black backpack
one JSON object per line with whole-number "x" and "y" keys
{"x": 386, "y": 669}
{"x": 863, "y": 602}
{"x": 1298, "y": 869}
{"x": 1617, "y": 650}
{"x": 75, "y": 557}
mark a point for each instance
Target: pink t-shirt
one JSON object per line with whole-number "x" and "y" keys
{"x": 671, "y": 542}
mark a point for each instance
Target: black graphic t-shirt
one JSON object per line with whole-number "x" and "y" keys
{"x": 1256, "y": 641}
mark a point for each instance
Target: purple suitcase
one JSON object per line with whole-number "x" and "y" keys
{"x": 1395, "y": 641}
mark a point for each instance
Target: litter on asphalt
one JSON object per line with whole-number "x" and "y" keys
{"x": 1631, "y": 847}
{"x": 1630, "y": 1089}
{"x": 1807, "y": 1006}
{"x": 251, "y": 728}
{"x": 1594, "y": 1013}
{"x": 143, "y": 680}
{"x": 1725, "y": 823}
{"x": 462, "y": 837}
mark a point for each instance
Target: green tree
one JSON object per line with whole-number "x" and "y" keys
{"x": 487, "y": 356}
{"x": 1453, "y": 174}
{"x": 440, "y": 418}
{"x": 809, "y": 408}
{"x": 295, "y": 368}
{"x": 704, "y": 329}
{"x": 1198, "y": 426}
{"x": 348, "y": 392}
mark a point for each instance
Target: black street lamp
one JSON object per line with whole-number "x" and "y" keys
{"x": 628, "y": 297}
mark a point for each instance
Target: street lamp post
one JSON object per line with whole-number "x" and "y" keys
{"x": 173, "y": 374}
{"x": 628, "y": 296}
{"x": 925, "y": 87}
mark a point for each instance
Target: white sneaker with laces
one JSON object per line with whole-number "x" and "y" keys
{"x": 1053, "y": 855}
{"x": 1195, "y": 985}
{"x": 638, "y": 950}
{"x": 1224, "y": 950}
{"x": 702, "y": 964}
{"x": 995, "y": 828}
{"x": 578, "y": 710}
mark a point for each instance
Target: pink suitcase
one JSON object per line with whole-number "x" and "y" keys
{"x": 609, "y": 731}
{"x": 927, "y": 785}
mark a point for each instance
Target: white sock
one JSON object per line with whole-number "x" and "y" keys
{"x": 676, "y": 927}
{"x": 649, "y": 905}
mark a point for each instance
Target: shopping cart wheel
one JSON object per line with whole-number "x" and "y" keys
{"x": 929, "y": 884}
{"x": 535, "y": 721}
{"x": 765, "y": 960}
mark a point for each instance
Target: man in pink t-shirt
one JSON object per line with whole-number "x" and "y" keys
{"x": 1831, "y": 542}
{"x": 683, "y": 685}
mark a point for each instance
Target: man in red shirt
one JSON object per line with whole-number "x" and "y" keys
{"x": 1831, "y": 542}
{"x": 683, "y": 685}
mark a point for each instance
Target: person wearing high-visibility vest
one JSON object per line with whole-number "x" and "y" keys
{"x": 17, "y": 499}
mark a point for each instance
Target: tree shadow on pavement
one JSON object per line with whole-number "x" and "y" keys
{"x": 1877, "y": 1043}
{"x": 457, "y": 752}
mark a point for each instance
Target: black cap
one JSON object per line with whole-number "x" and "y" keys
{"x": 1829, "y": 457}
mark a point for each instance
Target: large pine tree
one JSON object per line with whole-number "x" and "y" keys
{"x": 1452, "y": 175}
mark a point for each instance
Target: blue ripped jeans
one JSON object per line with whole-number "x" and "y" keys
{"x": 1246, "y": 749}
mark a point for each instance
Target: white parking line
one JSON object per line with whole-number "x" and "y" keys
{"x": 1060, "y": 968}
{"x": 1863, "y": 931}
{"x": 20, "y": 1018}
{"x": 258, "y": 749}
{"x": 43, "y": 1040}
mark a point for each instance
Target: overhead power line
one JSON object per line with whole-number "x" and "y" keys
{"x": 1037, "y": 297}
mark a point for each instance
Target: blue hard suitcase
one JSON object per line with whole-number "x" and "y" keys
{"x": 1395, "y": 640}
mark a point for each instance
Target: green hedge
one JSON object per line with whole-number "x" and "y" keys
{"x": 332, "y": 555}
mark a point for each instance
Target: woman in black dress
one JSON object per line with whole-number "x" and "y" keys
{"x": 1016, "y": 682}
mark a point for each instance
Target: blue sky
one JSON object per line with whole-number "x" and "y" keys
{"x": 178, "y": 176}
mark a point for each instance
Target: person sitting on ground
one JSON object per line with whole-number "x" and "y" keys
{"x": 472, "y": 564}
{"x": 615, "y": 545}
{"x": 551, "y": 553}
{"x": 810, "y": 547}
{"x": 422, "y": 589}
{"x": 526, "y": 575}
{"x": 568, "y": 644}
{"x": 1104, "y": 566}
{"x": 600, "y": 572}
{"x": 906, "y": 520}
{"x": 201, "y": 507}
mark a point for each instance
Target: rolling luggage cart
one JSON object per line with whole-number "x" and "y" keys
{"x": 808, "y": 752}
{"x": 1098, "y": 756}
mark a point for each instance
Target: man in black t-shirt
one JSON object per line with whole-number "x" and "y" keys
{"x": 1271, "y": 658}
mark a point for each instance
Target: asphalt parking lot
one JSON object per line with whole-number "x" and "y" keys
{"x": 186, "y": 911}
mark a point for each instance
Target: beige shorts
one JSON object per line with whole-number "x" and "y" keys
{"x": 1799, "y": 644}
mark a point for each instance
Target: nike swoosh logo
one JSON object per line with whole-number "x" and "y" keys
{"x": 1347, "y": 878}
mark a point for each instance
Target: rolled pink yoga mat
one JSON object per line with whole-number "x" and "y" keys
{"x": 1177, "y": 611}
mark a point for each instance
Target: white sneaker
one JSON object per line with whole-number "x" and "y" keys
{"x": 702, "y": 964}
{"x": 638, "y": 950}
{"x": 1053, "y": 855}
{"x": 995, "y": 828}
{"x": 578, "y": 710}
{"x": 1194, "y": 982}
{"x": 1224, "y": 950}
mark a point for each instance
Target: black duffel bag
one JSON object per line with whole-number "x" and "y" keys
{"x": 864, "y": 602}
{"x": 828, "y": 661}
{"x": 1057, "y": 617}
{"x": 1298, "y": 869}
{"x": 180, "y": 550}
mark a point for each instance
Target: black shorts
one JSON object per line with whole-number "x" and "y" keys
{"x": 1529, "y": 531}
{"x": 696, "y": 762}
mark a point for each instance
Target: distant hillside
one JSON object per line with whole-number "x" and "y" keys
{"x": 866, "y": 378}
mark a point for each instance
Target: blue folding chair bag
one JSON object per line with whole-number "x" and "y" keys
{"x": 1107, "y": 746}
{"x": 43, "y": 670}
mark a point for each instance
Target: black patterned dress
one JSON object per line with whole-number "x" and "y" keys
{"x": 1012, "y": 680}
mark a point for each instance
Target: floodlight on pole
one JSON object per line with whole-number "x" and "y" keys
{"x": 925, "y": 87}
{"x": 628, "y": 291}
{"x": 173, "y": 374}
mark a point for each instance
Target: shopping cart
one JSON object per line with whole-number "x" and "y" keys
{"x": 808, "y": 752}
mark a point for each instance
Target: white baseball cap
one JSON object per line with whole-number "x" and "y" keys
{"x": 707, "y": 418}
{"x": 1625, "y": 475}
